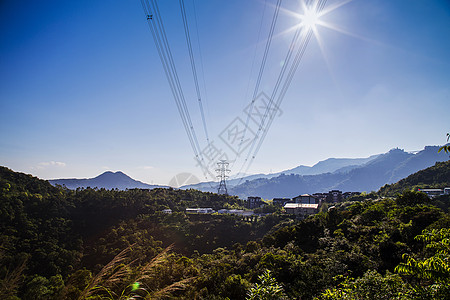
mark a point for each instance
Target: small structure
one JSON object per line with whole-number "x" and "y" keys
{"x": 334, "y": 196}
{"x": 253, "y": 202}
{"x": 200, "y": 210}
{"x": 167, "y": 211}
{"x": 321, "y": 196}
{"x": 306, "y": 199}
{"x": 435, "y": 192}
{"x": 301, "y": 210}
{"x": 280, "y": 201}
{"x": 238, "y": 212}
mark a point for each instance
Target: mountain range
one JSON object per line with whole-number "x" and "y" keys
{"x": 370, "y": 176}
{"x": 346, "y": 174}
{"x": 329, "y": 165}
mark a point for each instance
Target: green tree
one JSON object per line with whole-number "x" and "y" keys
{"x": 446, "y": 148}
{"x": 41, "y": 288}
{"x": 268, "y": 289}
{"x": 409, "y": 198}
{"x": 432, "y": 273}
{"x": 435, "y": 268}
{"x": 370, "y": 286}
{"x": 235, "y": 287}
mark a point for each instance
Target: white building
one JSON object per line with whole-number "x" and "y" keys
{"x": 200, "y": 210}
{"x": 238, "y": 212}
{"x": 435, "y": 192}
{"x": 301, "y": 209}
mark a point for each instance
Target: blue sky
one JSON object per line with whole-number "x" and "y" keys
{"x": 82, "y": 89}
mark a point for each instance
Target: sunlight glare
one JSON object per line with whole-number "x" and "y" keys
{"x": 310, "y": 18}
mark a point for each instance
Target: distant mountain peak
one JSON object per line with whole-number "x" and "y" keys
{"x": 107, "y": 180}
{"x": 393, "y": 150}
{"x": 111, "y": 173}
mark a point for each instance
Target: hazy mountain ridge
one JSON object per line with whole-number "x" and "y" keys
{"x": 108, "y": 180}
{"x": 383, "y": 169}
{"x": 347, "y": 174}
{"x": 330, "y": 165}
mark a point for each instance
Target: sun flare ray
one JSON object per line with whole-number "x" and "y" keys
{"x": 334, "y": 6}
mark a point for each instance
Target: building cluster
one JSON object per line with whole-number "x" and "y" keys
{"x": 209, "y": 210}
{"x": 334, "y": 196}
{"x": 303, "y": 205}
{"x": 300, "y": 206}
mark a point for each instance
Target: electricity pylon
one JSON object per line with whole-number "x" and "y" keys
{"x": 222, "y": 171}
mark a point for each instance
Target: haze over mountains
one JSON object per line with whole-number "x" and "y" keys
{"x": 383, "y": 169}
{"x": 325, "y": 166}
{"x": 330, "y": 165}
{"x": 360, "y": 174}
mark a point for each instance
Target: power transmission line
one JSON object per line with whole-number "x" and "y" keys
{"x": 318, "y": 7}
{"x": 265, "y": 124}
{"x": 299, "y": 41}
{"x": 156, "y": 26}
{"x": 261, "y": 68}
{"x": 194, "y": 70}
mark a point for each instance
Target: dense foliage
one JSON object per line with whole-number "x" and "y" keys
{"x": 110, "y": 244}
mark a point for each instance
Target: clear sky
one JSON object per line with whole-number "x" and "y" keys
{"x": 82, "y": 89}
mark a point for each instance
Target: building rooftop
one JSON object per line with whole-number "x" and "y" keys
{"x": 301, "y": 205}
{"x": 304, "y": 195}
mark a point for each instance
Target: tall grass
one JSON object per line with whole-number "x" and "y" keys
{"x": 121, "y": 279}
{"x": 9, "y": 284}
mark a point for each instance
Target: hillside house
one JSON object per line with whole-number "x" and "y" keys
{"x": 435, "y": 192}
{"x": 321, "y": 196}
{"x": 334, "y": 196}
{"x": 280, "y": 201}
{"x": 200, "y": 210}
{"x": 253, "y": 202}
{"x": 238, "y": 212}
{"x": 301, "y": 210}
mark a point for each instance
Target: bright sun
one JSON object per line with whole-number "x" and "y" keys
{"x": 309, "y": 18}
{"x": 311, "y": 12}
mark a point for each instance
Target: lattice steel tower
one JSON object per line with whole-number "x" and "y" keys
{"x": 222, "y": 170}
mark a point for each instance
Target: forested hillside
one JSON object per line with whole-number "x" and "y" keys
{"x": 101, "y": 244}
{"x": 437, "y": 176}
